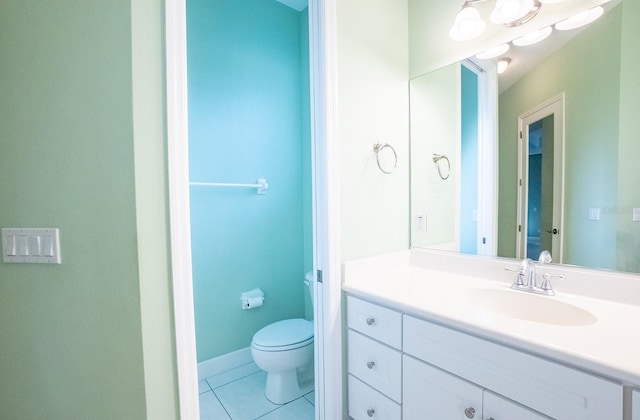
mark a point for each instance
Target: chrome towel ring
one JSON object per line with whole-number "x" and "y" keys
{"x": 436, "y": 159}
{"x": 377, "y": 148}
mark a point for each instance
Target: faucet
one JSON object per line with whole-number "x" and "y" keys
{"x": 526, "y": 279}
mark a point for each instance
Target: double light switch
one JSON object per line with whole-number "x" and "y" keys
{"x": 31, "y": 245}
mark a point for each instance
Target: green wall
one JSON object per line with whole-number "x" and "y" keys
{"x": 585, "y": 68}
{"x": 82, "y": 149}
{"x": 628, "y": 233}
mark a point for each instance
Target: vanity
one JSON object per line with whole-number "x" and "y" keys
{"x": 438, "y": 335}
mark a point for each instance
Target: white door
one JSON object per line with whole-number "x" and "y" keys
{"x": 497, "y": 407}
{"x": 541, "y": 227}
{"x": 433, "y": 394}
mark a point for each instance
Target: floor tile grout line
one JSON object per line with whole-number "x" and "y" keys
{"x": 230, "y": 382}
{"x": 222, "y": 405}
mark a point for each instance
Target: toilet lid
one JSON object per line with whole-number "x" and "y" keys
{"x": 284, "y": 333}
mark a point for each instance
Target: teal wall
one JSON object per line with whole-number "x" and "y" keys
{"x": 248, "y": 119}
{"x": 586, "y": 68}
{"x": 469, "y": 162}
{"x": 82, "y": 148}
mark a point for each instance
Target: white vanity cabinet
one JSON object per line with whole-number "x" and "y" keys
{"x": 374, "y": 360}
{"x": 405, "y": 367}
{"x": 544, "y": 386}
{"x": 432, "y": 393}
{"x": 635, "y": 405}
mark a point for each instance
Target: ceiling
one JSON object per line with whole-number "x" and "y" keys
{"x": 525, "y": 59}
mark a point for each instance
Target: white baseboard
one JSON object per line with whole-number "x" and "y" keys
{"x": 227, "y": 361}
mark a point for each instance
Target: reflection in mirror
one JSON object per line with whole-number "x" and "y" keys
{"x": 599, "y": 209}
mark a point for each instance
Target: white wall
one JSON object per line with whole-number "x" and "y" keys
{"x": 373, "y": 106}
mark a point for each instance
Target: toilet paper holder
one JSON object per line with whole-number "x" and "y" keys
{"x": 252, "y": 299}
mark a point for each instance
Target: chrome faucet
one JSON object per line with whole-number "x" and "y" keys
{"x": 526, "y": 279}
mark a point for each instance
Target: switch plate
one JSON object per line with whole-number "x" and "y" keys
{"x": 594, "y": 213}
{"x": 636, "y": 214}
{"x": 421, "y": 222}
{"x": 28, "y": 245}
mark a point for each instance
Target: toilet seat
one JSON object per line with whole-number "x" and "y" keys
{"x": 284, "y": 335}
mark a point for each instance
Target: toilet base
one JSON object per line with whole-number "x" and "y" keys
{"x": 285, "y": 386}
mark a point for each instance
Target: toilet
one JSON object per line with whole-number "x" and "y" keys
{"x": 284, "y": 350}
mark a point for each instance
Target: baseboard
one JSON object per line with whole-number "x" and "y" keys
{"x": 227, "y": 361}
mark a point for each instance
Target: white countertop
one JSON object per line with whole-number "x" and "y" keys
{"x": 609, "y": 345}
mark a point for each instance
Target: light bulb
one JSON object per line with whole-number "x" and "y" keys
{"x": 503, "y": 64}
{"x": 533, "y": 37}
{"x": 580, "y": 19}
{"x": 514, "y": 12}
{"x": 468, "y": 24}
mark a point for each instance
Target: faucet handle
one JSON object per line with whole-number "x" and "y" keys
{"x": 520, "y": 273}
{"x": 546, "y": 281}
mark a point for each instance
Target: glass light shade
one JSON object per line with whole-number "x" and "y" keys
{"x": 493, "y": 52}
{"x": 532, "y": 37}
{"x": 468, "y": 24}
{"x": 580, "y": 19}
{"x": 503, "y": 64}
{"x": 514, "y": 12}
{"x": 550, "y": 1}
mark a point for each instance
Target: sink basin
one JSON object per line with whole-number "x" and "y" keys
{"x": 528, "y": 307}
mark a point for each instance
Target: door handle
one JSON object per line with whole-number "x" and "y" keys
{"x": 554, "y": 231}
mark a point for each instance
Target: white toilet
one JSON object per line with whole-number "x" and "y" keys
{"x": 284, "y": 350}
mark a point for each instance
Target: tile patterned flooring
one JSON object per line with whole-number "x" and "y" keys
{"x": 238, "y": 394}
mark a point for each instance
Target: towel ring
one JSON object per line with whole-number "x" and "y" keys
{"x": 377, "y": 148}
{"x": 436, "y": 159}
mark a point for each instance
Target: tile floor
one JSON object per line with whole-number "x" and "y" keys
{"x": 238, "y": 394}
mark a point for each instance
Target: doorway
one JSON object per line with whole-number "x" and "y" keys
{"x": 327, "y": 311}
{"x": 541, "y": 180}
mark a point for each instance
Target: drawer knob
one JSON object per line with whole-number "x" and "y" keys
{"x": 371, "y": 412}
{"x": 371, "y": 364}
{"x": 371, "y": 321}
{"x": 470, "y": 412}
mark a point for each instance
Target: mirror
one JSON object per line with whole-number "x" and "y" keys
{"x": 476, "y": 209}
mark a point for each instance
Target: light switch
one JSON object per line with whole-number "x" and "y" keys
{"x": 35, "y": 247}
{"x": 47, "y": 246}
{"x": 28, "y": 245}
{"x": 636, "y": 215}
{"x": 9, "y": 244}
{"x": 594, "y": 213}
{"x": 23, "y": 246}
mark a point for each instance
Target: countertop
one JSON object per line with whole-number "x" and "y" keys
{"x": 608, "y": 344}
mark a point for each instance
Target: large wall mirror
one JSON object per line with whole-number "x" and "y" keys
{"x": 544, "y": 157}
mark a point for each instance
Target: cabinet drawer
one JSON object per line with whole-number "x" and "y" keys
{"x": 548, "y": 387}
{"x": 365, "y": 403}
{"x": 376, "y": 364}
{"x": 498, "y": 407}
{"x": 375, "y": 321}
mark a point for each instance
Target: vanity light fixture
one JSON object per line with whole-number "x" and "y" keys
{"x": 550, "y": 1}
{"x": 493, "y": 52}
{"x": 468, "y": 23}
{"x": 580, "y": 19}
{"x": 514, "y": 12}
{"x": 532, "y": 37}
{"x": 503, "y": 63}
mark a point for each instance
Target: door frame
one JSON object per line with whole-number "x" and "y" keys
{"x": 487, "y": 203}
{"x": 556, "y": 107}
{"x": 326, "y": 211}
